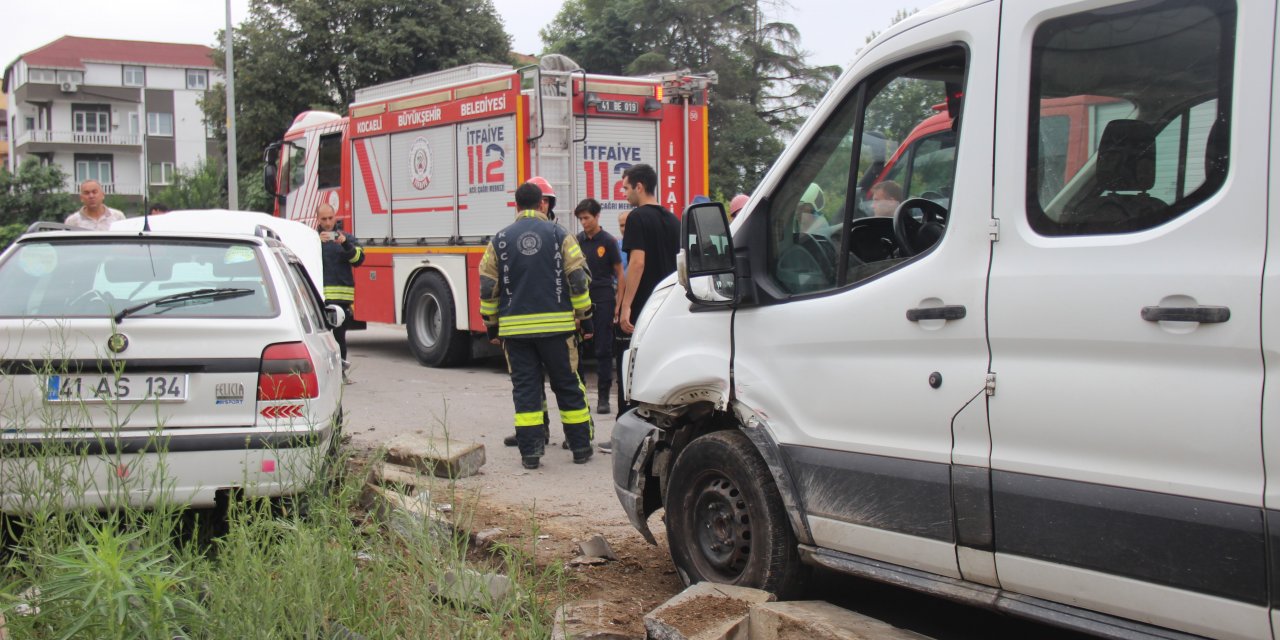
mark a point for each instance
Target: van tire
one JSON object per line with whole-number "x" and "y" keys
{"x": 720, "y": 491}
{"x": 430, "y": 318}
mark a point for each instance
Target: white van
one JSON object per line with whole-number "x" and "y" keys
{"x": 1047, "y": 383}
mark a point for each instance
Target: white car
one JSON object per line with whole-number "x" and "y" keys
{"x": 169, "y": 359}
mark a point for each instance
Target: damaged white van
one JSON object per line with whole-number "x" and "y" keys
{"x": 1044, "y": 382}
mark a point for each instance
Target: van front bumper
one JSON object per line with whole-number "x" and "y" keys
{"x": 633, "y": 443}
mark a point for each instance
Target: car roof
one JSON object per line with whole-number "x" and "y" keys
{"x": 301, "y": 239}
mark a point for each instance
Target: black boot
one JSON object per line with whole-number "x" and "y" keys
{"x": 530, "y": 462}
{"x": 510, "y": 441}
{"x": 602, "y": 406}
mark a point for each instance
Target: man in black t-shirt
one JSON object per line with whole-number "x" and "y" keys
{"x": 603, "y": 258}
{"x": 651, "y": 242}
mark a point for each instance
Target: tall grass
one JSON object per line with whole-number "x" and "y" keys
{"x": 314, "y": 565}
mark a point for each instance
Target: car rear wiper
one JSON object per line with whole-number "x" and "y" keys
{"x": 173, "y": 298}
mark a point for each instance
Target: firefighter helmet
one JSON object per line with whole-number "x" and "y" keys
{"x": 547, "y": 191}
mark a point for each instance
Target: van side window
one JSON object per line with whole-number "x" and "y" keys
{"x": 831, "y": 218}
{"x": 1114, "y": 146}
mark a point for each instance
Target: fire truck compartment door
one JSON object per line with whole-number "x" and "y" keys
{"x": 613, "y": 146}
{"x": 423, "y": 179}
{"x": 486, "y": 161}
{"x": 371, "y": 186}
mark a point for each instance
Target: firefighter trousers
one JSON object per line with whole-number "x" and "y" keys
{"x": 529, "y": 359}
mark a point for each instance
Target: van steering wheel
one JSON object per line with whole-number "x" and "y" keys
{"x": 915, "y": 236}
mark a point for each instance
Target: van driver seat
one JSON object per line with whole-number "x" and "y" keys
{"x": 1126, "y": 162}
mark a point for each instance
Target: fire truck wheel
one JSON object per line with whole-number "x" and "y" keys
{"x": 430, "y": 320}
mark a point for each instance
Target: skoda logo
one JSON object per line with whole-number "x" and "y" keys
{"x": 117, "y": 342}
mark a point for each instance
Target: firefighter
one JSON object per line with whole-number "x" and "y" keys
{"x": 534, "y": 292}
{"x": 340, "y": 252}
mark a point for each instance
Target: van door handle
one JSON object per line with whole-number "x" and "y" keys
{"x": 1202, "y": 313}
{"x": 945, "y": 312}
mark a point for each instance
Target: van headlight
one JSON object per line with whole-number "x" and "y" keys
{"x": 649, "y": 312}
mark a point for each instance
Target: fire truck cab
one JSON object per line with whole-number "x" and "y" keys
{"x": 424, "y": 170}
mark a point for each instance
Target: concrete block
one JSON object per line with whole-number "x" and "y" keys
{"x": 596, "y": 547}
{"x": 586, "y": 620}
{"x": 485, "y": 591}
{"x": 705, "y": 611}
{"x": 440, "y": 457}
{"x": 390, "y": 474}
{"x": 816, "y": 620}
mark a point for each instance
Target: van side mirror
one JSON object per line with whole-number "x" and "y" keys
{"x": 706, "y": 260}
{"x": 334, "y": 316}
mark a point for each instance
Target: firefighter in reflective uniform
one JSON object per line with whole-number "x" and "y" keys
{"x": 533, "y": 293}
{"x": 340, "y": 252}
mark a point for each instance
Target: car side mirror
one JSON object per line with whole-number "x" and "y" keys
{"x": 705, "y": 263}
{"x": 269, "y": 179}
{"x": 334, "y": 316}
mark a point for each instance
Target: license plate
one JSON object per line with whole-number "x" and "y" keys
{"x": 155, "y": 387}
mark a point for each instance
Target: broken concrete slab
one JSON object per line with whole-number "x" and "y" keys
{"x": 485, "y": 591}
{"x": 705, "y": 611}
{"x": 596, "y": 547}
{"x": 586, "y": 620}
{"x": 483, "y": 540}
{"x": 582, "y": 561}
{"x": 406, "y": 514}
{"x": 816, "y": 620}
{"x": 440, "y": 457}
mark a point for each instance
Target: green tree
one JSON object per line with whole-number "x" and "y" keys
{"x": 201, "y": 187}
{"x": 35, "y": 192}
{"x": 295, "y": 55}
{"x": 765, "y": 87}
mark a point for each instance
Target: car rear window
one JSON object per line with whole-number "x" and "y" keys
{"x": 102, "y": 277}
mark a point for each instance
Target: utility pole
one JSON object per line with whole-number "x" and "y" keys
{"x": 233, "y": 190}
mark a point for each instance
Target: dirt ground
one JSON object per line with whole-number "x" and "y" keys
{"x": 560, "y": 502}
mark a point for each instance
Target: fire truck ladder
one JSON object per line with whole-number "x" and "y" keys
{"x": 552, "y": 139}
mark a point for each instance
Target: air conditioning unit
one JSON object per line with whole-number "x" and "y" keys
{"x": 70, "y": 87}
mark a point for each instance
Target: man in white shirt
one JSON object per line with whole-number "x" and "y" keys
{"x": 94, "y": 215}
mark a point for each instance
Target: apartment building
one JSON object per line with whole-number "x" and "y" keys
{"x": 125, "y": 113}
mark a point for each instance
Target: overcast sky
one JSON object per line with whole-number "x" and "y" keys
{"x": 831, "y": 30}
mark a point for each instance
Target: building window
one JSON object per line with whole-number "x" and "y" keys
{"x": 160, "y": 124}
{"x": 71, "y": 76}
{"x": 197, "y": 79}
{"x": 161, "y": 173}
{"x": 46, "y": 76}
{"x": 94, "y": 167}
{"x": 135, "y": 76}
{"x": 210, "y": 129}
{"x": 90, "y": 118}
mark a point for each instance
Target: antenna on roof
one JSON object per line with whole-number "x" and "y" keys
{"x": 146, "y": 216}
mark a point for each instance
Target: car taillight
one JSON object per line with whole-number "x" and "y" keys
{"x": 287, "y": 373}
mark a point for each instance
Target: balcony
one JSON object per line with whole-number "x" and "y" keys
{"x": 77, "y": 138}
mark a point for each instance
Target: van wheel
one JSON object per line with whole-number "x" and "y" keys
{"x": 725, "y": 519}
{"x": 430, "y": 320}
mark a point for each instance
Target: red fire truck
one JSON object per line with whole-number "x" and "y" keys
{"x": 424, "y": 170}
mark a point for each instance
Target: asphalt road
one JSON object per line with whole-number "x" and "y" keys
{"x": 395, "y": 395}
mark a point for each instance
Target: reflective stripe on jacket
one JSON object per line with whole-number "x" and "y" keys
{"x": 338, "y": 259}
